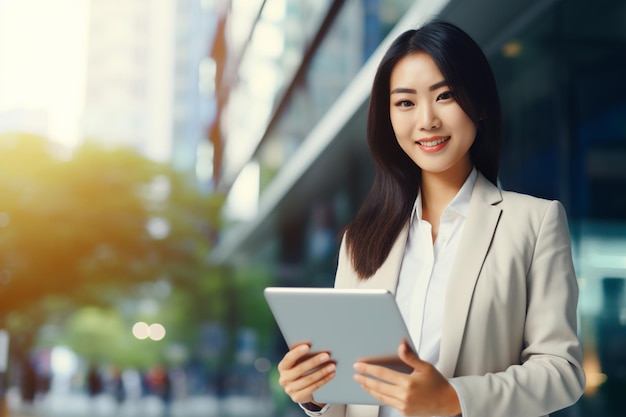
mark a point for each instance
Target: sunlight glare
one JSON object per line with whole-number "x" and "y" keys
{"x": 43, "y": 47}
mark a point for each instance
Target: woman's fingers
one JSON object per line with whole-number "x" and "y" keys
{"x": 380, "y": 372}
{"x": 301, "y": 375}
{"x": 385, "y": 381}
{"x": 425, "y": 391}
{"x": 301, "y": 390}
{"x": 292, "y": 357}
{"x": 294, "y": 367}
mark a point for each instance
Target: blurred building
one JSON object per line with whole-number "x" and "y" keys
{"x": 295, "y": 163}
{"x": 194, "y": 109}
{"x": 20, "y": 120}
{"x": 146, "y": 77}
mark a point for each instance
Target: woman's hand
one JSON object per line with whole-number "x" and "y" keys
{"x": 423, "y": 392}
{"x": 301, "y": 377}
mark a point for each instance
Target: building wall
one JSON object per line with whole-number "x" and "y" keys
{"x": 559, "y": 66}
{"x": 143, "y": 77}
{"x": 193, "y": 87}
{"x": 125, "y": 95}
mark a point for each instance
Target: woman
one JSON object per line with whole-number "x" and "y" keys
{"x": 483, "y": 277}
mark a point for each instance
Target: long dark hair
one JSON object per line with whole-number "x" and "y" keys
{"x": 390, "y": 201}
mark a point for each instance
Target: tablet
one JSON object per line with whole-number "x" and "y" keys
{"x": 351, "y": 324}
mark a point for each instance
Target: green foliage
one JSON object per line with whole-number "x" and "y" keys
{"x": 247, "y": 307}
{"x": 102, "y": 336}
{"x": 88, "y": 229}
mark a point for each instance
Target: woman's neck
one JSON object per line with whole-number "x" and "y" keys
{"x": 439, "y": 189}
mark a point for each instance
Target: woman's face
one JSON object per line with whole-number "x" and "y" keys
{"x": 430, "y": 126}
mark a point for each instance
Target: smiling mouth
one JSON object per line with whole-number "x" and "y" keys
{"x": 434, "y": 142}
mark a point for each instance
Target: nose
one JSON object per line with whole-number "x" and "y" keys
{"x": 427, "y": 117}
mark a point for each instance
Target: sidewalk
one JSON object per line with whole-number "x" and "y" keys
{"x": 80, "y": 405}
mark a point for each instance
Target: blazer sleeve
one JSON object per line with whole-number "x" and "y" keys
{"x": 550, "y": 375}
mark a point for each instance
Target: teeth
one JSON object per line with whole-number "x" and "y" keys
{"x": 434, "y": 142}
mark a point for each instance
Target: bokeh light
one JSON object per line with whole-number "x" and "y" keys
{"x": 156, "y": 331}
{"x": 141, "y": 330}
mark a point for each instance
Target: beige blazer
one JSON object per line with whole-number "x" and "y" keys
{"x": 509, "y": 342}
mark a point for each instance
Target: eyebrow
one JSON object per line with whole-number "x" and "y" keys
{"x": 433, "y": 87}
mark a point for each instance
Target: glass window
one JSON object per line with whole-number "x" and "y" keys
{"x": 564, "y": 100}
{"x": 356, "y": 31}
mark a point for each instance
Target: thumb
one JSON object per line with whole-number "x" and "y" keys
{"x": 409, "y": 357}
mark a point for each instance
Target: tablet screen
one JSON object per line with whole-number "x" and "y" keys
{"x": 352, "y": 325}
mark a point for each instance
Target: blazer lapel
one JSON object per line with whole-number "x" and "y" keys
{"x": 479, "y": 229}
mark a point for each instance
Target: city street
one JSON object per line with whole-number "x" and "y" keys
{"x": 80, "y": 405}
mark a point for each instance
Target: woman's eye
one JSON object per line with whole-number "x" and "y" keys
{"x": 404, "y": 103}
{"x": 445, "y": 96}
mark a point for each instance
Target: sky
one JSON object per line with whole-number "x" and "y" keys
{"x": 43, "y": 46}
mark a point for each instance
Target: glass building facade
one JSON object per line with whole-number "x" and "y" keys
{"x": 300, "y": 150}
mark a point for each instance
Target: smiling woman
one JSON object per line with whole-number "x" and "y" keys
{"x": 483, "y": 277}
{"x": 42, "y": 64}
{"x": 430, "y": 126}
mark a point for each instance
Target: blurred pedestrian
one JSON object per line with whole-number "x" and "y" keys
{"x": 94, "y": 381}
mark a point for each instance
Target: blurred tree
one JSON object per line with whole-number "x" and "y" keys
{"x": 87, "y": 228}
{"x": 101, "y": 335}
{"x": 252, "y": 310}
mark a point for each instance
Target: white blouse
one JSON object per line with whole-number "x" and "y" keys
{"x": 424, "y": 274}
